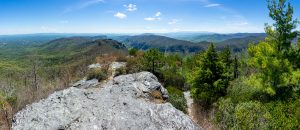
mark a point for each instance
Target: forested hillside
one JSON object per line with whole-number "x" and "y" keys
{"x": 237, "y": 42}
{"x": 30, "y": 72}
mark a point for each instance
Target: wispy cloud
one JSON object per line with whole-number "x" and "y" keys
{"x": 212, "y": 5}
{"x": 120, "y": 15}
{"x": 173, "y": 21}
{"x": 82, "y": 5}
{"x": 156, "y": 17}
{"x": 130, "y": 7}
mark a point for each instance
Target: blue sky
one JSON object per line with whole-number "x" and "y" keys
{"x": 134, "y": 16}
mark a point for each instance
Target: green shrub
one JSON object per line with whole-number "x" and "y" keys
{"x": 173, "y": 78}
{"x": 133, "y": 51}
{"x": 239, "y": 91}
{"x": 97, "y": 73}
{"x": 134, "y": 65}
{"x": 120, "y": 71}
{"x": 225, "y": 113}
{"x": 251, "y": 115}
{"x": 285, "y": 115}
{"x": 176, "y": 98}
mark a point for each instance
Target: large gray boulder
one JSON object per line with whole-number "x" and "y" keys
{"x": 125, "y": 103}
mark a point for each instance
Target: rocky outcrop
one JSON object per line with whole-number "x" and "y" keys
{"x": 125, "y": 103}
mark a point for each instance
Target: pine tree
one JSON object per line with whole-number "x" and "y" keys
{"x": 282, "y": 14}
{"x": 235, "y": 68}
{"x": 152, "y": 59}
{"x": 207, "y": 80}
{"x": 225, "y": 57}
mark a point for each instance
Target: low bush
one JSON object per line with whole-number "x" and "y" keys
{"x": 285, "y": 115}
{"x": 245, "y": 115}
{"x": 97, "y": 73}
{"x": 176, "y": 98}
{"x": 224, "y": 115}
{"x": 134, "y": 65}
{"x": 171, "y": 78}
{"x": 252, "y": 115}
{"x": 120, "y": 71}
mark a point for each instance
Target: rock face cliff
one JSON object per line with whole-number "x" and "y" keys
{"x": 126, "y": 102}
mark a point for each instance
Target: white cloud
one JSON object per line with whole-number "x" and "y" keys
{"x": 152, "y": 19}
{"x": 157, "y": 14}
{"x": 212, "y": 5}
{"x": 173, "y": 21}
{"x": 156, "y": 17}
{"x": 130, "y": 7}
{"x": 120, "y": 15}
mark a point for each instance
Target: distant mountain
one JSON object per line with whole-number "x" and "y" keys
{"x": 239, "y": 44}
{"x": 218, "y": 37}
{"x": 37, "y": 39}
{"x": 74, "y": 44}
{"x": 163, "y": 43}
{"x": 72, "y": 49}
{"x": 166, "y": 44}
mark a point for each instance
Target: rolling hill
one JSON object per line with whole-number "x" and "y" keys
{"x": 74, "y": 48}
{"x": 164, "y": 44}
{"x": 239, "y": 44}
{"x": 217, "y": 37}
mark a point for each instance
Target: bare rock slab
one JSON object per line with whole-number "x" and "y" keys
{"x": 124, "y": 104}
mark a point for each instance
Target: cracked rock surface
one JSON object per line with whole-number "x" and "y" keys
{"x": 125, "y": 103}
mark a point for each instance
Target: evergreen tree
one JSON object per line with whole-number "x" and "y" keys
{"x": 282, "y": 14}
{"x": 207, "y": 80}
{"x": 272, "y": 58}
{"x": 153, "y": 59}
{"x": 225, "y": 57}
{"x": 235, "y": 68}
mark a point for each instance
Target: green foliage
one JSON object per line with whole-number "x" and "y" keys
{"x": 282, "y": 14}
{"x": 285, "y": 115}
{"x": 240, "y": 91}
{"x": 173, "y": 78}
{"x": 273, "y": 71}
{"x": 133, "y": 51}
{"x": 134, "y": 65}
{"x": 245, "y": 115}
{"x": 120, "y": 71}
{"x": 153, "y": 60}
{"x": 207, "y": 80}
{"x": 225, "y": 57}
{"x": 176, "y": 98}
{"x": 252, "y": 115}
{"x": 97, "y": 73}
{"x": 271, "y": 58}
{"x": 225, "y": 113}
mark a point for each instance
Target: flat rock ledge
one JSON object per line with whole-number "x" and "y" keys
{"x": 123, "y": 104}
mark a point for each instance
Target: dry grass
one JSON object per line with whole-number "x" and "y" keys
{"x": 157, "y": 96}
